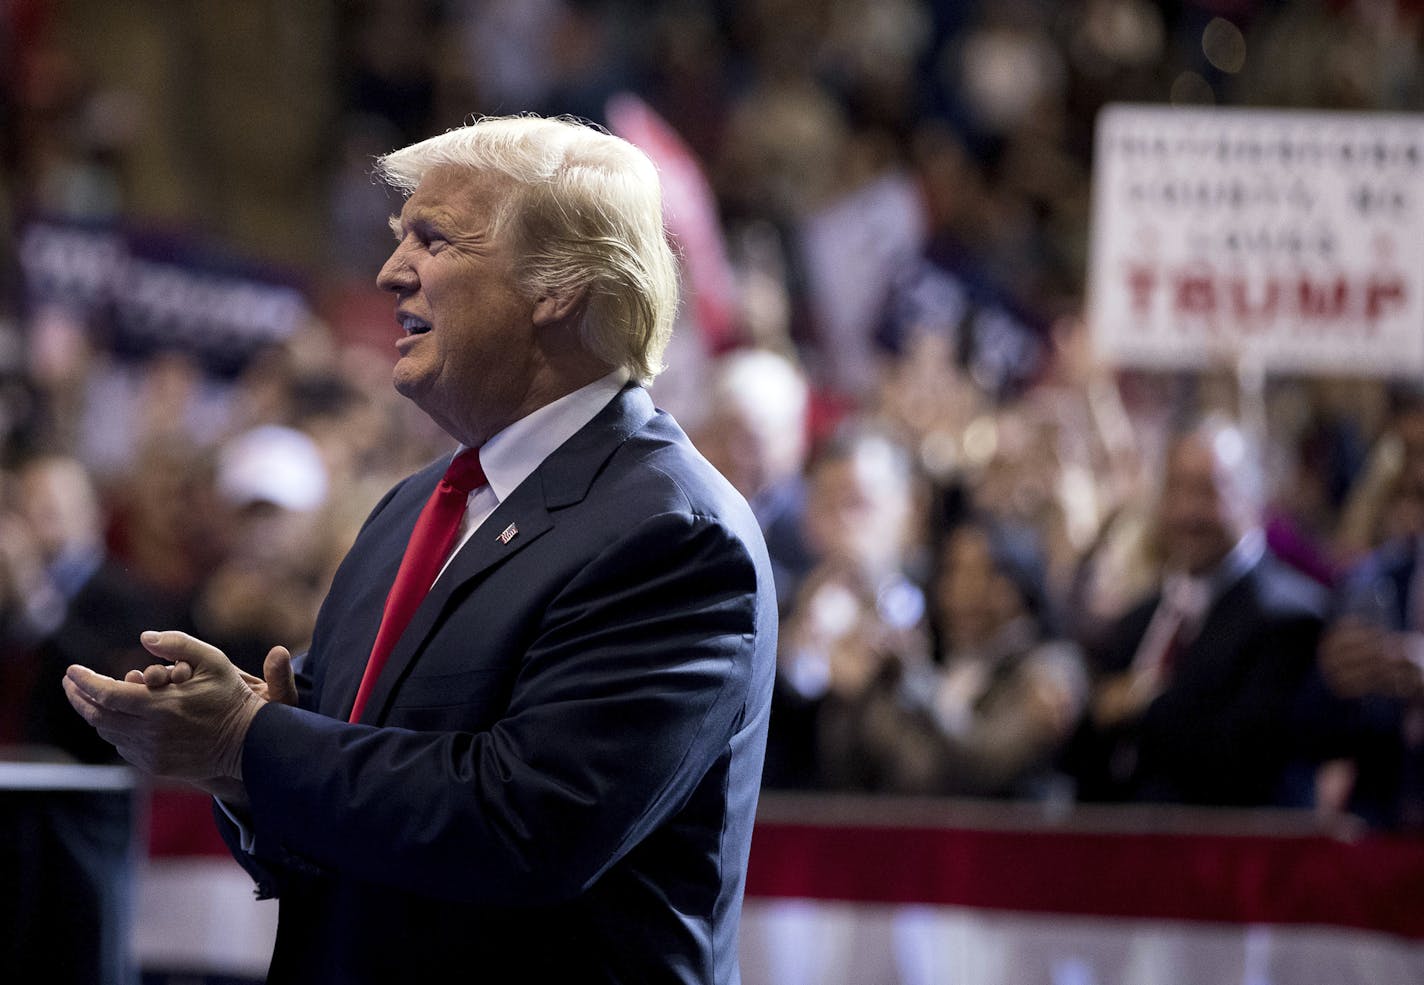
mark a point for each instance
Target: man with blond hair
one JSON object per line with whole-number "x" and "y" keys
{"x": 526, "y": 742}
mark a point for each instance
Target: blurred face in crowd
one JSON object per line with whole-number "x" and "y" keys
{"x": 858, "y": 511}
{"x": 58, "y": 504}
{"x": 1204, "y": 510}
{"x": 173, "y": 527}
{"x": 975, "y": 599}
{"x": 468, "y": 357}
{"x": 752, "y": 451}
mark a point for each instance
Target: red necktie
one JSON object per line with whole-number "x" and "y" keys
{"x": 435, "y": 532}
{"x": 1172, "y": 652}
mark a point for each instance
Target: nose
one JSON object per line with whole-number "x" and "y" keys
{"x": 397, "y": 274}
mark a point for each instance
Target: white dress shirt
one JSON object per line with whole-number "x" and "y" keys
{"x": 1186, "y": 600}
{"x": 513, "y": 454}
{"x": 507, "y": 459}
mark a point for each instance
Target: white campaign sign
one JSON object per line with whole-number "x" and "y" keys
{"x": 1291, "y": 240}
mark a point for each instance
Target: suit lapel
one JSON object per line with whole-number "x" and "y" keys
{"x": 524, "y": 510}
{"x": 375, "y": 557}
{"x": 522, "y": 518}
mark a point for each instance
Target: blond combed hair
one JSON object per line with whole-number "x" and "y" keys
{"x": 586, "y": 215}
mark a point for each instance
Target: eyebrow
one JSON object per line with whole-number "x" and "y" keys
{"x": 425, "y": 218}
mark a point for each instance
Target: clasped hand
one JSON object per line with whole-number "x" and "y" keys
{"x": 185, "y": 719}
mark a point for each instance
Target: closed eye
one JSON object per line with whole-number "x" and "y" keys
{"x": 426, "y": 225}
{"x": 428, "y": 236}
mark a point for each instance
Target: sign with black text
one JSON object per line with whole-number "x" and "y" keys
{"x": 1289, "y": 240}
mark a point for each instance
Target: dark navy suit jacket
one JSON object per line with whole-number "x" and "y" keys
{"x": 556, "y": 775}
{"x": 1222, "y": 731}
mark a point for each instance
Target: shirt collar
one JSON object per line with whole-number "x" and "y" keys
{"x": 513, "y": 454}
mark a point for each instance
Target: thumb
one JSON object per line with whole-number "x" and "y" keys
{"x": 281, "y": 682}
{"x": 174, "y": 646}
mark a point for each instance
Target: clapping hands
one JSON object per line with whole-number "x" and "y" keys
{"x": 185, "y": 718}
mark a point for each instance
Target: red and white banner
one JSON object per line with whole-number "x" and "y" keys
{"x": 847, "y": 891}
{"x": 1290, "y": 240}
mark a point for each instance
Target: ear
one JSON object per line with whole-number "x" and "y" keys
{"x": 551, "y": 309}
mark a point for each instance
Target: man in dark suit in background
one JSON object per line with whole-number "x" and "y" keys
{"x": 1366, "y": 708}
{"x": 1198, "y": 685}
{"x": 547, "y": 767}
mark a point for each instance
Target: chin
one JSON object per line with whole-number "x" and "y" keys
{"x": 418, "y": 392}
{"x": 407, "y": 382}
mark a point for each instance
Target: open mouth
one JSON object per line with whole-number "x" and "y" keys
{"x": 414, "y": 325}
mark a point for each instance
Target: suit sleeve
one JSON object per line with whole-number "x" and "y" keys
{"x": 265, "y": 874}
{"x": 634, "y": 686}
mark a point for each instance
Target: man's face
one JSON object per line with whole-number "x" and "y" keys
{"x": 1199, "y": 521}
{"x": 468, "y": 357}
{"x": 974, "y": 597}
{"x": 753, "y": 450}
{"x": 57, "y": 502}
{"x": 855, "y": 515}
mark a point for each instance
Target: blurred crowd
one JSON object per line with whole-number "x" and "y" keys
{"x": 1005, "y": 570}
{"x": 224, "y": 513}
{"x": 1087, "y": 607}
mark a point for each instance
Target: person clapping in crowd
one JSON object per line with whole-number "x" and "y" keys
{"x": 1197, "y": 686}
{"x": 1369, "y": 714}
{"x": 857, "y": 615}
{"x": 69, "y": 599}
{"x": 989, "y": 717}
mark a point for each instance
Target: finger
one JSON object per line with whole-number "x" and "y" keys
{"x": 113, "y": 727}
{"x": 107, "y": 693}
{"x": 94, "y": 712}
{"x": 134, "y": 677}
{"x": 88, "y": 711}
{"x": 181, "y": 672}
{"x": 281, "y": 681}
{"x": 121, "y": 731}
{"x": 174, "y": 646}
{"x": 154, "y": 675}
